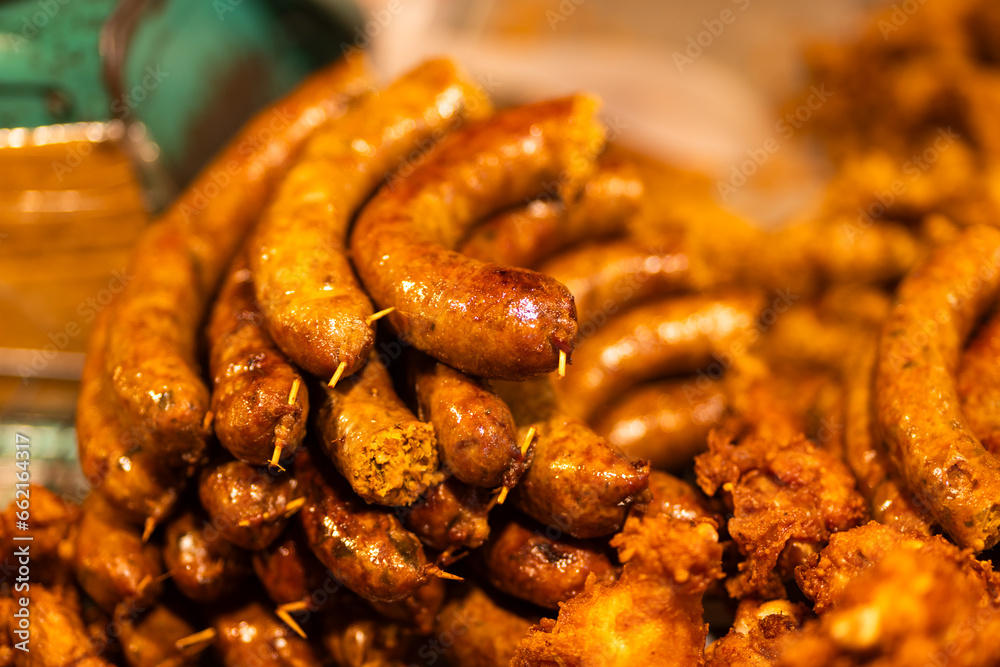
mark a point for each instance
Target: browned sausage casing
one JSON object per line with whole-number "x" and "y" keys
{"x": 677, "y": 499}
{"x": 252, "y": 378}
{"x": 526, "y": 562}
{"x": 148, "y": 639}
{"x": 251, "y": 635}
{"x": 365, "y": 547}
{"x": 484, "y": 319}
{"x": 203, "y": 565}
{"x": 290, "y": 571}
{"x": 978, "y": 384}
{"x": 176, "y": 266}
{"x": 386, "y": 454}
{"x": 484, "y": 634}
{"x": 526, "y": 235}
{"x": 451, "y": 515}
{"x": 418, "y": 610}
{"x": 247, "y": 505}
{"x": 476, "y": 434}
{"x": 315, "y": 308}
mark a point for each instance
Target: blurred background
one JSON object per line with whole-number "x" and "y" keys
{"x": 108, "y": 107}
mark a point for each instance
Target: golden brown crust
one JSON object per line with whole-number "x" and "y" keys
{"x": 760, "y": 632}
{"x": 485, "y": 319}
{"x": 148, "y": 637}
{"x": 485, "y": 633}
{"x": 252, "y": 378}
{"x": 476, "y": 434}
{"x": 315, "y": 309}
{"x": 938, "y": 456}
{"x": 673, "y": 497}
{"x": 58, "y": 637}
{"x": 252, "y": 635}
{"x": 978, "y": 384}
{"x": 203, "y": 566}
{"x": 385, "y": 453}
{"x": 451, "y": 515}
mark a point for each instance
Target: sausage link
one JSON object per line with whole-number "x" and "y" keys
{"x": 978, "y": 384}
{"x": 204, "y": 567}
{"x": 675, "y": 498}
{"x": 476, "y": 434}
{"x": 365, "y": 547}
{"x": 176, "y": 266}
{"x": 665, "y": 423}
{"x": 941, "y": 461}
{"x": 252, "y": 379}
{"x": 526, "y": 235}
{"x": 246, "y": 505}
{"x": 485, "y": 633}
{"x": 484, "y": 319}
{"x": 149, "y": 639}
{"x": 418, "y": 610}
{"x": 451, "y": 515}
{"x": 676, "y": 335}
{"x": 529, "y": 564}
{"x": 290, "y": 571}
{"x": 252, "y": 635}
{"x": 378, "y": 445}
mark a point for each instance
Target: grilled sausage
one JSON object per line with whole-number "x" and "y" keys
{"x": 203, "y": 566}
{"x": 451, "y": 515}
{"x": 251, "y": 636}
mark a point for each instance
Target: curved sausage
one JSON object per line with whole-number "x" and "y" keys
{"x": 978, "y": 384}
{"x": 252, "y": 380}
{"x": 451, "y": 515}
{"x": 365, "y": 547}
{"x": 665, "y": 423}
{"x": 315, "y": 310}
{"x": 942, "y": 462}
{"x": 676, "y": 335}
{"x": 526, "y": 235}
{"x": 476, "y": 434}
{"x": 203, "y": 566}
{"x": 247, "y": 505}
{"x": 484, "y": 319}
{"x": 176, "y": 265}
{"x": 386, "y": 454}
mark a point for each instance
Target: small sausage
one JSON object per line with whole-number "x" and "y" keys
{"x": 306, "y": 287}
{"x": 365, "y": 547}
{"x": 483, "y": 319}
{"x": 358, "y": 637}
{"x": 940, "y": 459}
{"x": 526, "y": 235}
{"x": 665, "y": 423}
{"x": 175, "y": 268}
{"x": 251, "y": 635}
{"x": 246, "y": 505}
{"x": 451, "y": 515}
{"x": 978, "y": 384}
{"x": 476, "y": 434}
{"x": 418, "y": 610}
{"x": 203, "y": 566}
{"x": 485, "y": 633}
{"x": 676, "y": 335}
{"x": 673, "y": 497}
{"x": 57, "y": 634}
{"x": 386, "y": 454}
{"x": 148, "y": 637}
{"x": 110, "y": 561}
{"x": 529, "y": 564}
{"x": 290, "y": 571}
{"x": 253, "y": 381}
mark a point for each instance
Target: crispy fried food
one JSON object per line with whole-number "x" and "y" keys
{"x": 978, "y": 384}
{"x": 175, "y": 268}
{"x": 252, "y": 635}
{"x": 938, "y": 457}
{"x": 110, "y": 561}
{"x": 387, "y": 455}
{"x": 577, "y": 482}
{"x": 51, "y": 522}
{"x": 787, "y": 496}
{"x": 524, "y": 236}
{"x": 57, "y": 636}
{"x": 365, "y": 547}
{"x": 475, "y": 430}
{"x": 291, "y": 572}
{"x": 538, "y": 565}
{"x": 651, "y": 615}
{"x": 479, "y": 632}
{"x": 417, "y": 610}
{"x": 665, "y": 423}
{"x": 677, "y": 335}
{"x": 451, "y": 515}
{"x": 484, "y": 319}
{"x": 759, "y": 634}
{"x": 247, "y": 505}
{"x": 255, "y": 411}
{"x": 314, "y": 307}
{"x": 148, "y": 637}
{"x": 203, "y": 566}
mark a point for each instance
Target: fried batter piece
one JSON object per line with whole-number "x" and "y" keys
{"x": 247, "y": 505}
{"x": 387, "y": 455}
{"x": 253, "y": 380}
{"x": 110, "y": 560}
{"x": 651, "y": 615}
{"x": 475, "y": 631}
{"x": 252, "y": 635}
{"x": 204, "y": 566}
{"x": 665, "y": 423}
{"x": 787, "y": 496}
{"x": 52, "y": 523}
{"x": 759, "y": 634}
{"x": 58, "y": 637}
{"x": 451, "y": 515}
{"x": 675, "y": 335}
{"x": 488, "y": 320}
{"x": 536, "y": 564}
{"x": 525, "y": 236}
{"x": 148, "y": 637}
{"x": 978, "y": 384}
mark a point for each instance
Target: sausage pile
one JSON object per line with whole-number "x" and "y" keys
{"x": 433, "y": 383}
